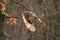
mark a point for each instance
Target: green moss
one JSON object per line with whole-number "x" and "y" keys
{"x": 40, "y": 1}
{"x": 1, "y": 34}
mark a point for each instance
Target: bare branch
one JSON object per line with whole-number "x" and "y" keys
{"x": 21, "y": 5}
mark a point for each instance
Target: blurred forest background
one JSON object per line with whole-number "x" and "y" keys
{"x": 47, "y": 10}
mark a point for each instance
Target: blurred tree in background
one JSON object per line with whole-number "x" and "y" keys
{"x": 47, "y": 10}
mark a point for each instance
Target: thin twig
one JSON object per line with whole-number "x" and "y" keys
{"x": 21, "y": 5}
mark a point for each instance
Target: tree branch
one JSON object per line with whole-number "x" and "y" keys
{"x": 21, "y": 5}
